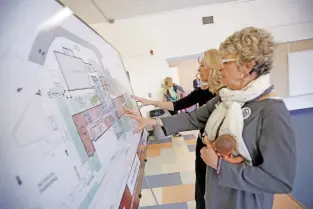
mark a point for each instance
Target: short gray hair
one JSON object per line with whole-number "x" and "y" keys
{"x": 251, "y": 44}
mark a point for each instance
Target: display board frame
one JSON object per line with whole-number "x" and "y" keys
{"x": 41, "y": 168}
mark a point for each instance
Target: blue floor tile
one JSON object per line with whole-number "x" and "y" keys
{"x": 189, "y": 136}
{"x": 162, "y": 180}
{"x": 168, "y": 206}
{"x": 192, "y": 147}
{"x": 155, "y": 141}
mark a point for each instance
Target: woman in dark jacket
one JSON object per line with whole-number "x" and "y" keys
{"x": 210, "y": 83}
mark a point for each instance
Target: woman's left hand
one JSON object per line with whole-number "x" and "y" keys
{"x": 142, "y": 122}
{"x": 208, "y": 154}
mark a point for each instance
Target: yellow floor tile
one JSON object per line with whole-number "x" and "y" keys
{"x": 162, "y": 145}
{"x": 176, "y": 194}
{"x": 148, "y": 199}
{"x": 284, "y": 202}
{"x": 153, "y": 152}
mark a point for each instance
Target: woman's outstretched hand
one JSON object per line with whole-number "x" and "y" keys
{"x": 144, "y": 102}
{"x": 142, "y": 122}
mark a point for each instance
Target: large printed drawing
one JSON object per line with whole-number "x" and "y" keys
{"x": 78, "y": 76}
{"x": 68, "y": 141}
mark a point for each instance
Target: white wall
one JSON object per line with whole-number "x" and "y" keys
{"x": 187, "y": 70}
{"x": 181, "y": 33}
{"x": 173, "y": 73}
{"x": 147, "y": 74}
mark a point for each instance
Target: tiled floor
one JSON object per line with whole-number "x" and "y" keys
{"x": 170, "y": 175}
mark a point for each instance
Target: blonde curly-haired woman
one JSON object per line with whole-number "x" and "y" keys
{"x": 209, "y": 71}
{"x": 249, "y": 109}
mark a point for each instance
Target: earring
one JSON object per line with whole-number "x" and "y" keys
{"x": 244, "y": 76}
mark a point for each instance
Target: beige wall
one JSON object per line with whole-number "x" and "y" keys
{"x": 279, "y": 75}
{"x": 187, "y": 70}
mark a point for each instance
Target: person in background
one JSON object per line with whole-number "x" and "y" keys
{"x": 250, "y": 108}
{"x": 209, "y": 72}
{"x": 196, "y": 83}
{"x": 172, "y": 93}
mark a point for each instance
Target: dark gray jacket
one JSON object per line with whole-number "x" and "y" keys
{"x": 270, "y": 139}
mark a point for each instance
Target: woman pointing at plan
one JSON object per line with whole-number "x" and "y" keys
{"x": 248, "y": 112}
{"x": 210, "y": 84}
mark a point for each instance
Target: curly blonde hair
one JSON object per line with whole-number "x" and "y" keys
{"x": 213, "y": 62}
{"x": 251, "y": 44}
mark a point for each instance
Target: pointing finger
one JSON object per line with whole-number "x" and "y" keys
{"x": 130, "y": 111}
{"x": 134, "y": 97}
{"x": 138, "y": 99}
{"x": 137, "y": 130}
{"x": 136, "y": 117}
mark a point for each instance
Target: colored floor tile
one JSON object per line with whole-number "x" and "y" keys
{"x": 181, "y": 149}
{"x": 178, "y": 142}
{"x": 172, "y": 168}
{"x": 185, "y": 162}
{"x": 168, "y": 206}
{"x": 189, "y": 136}
{"x": 192, "y": 147}
{"x": 155, "y": 141}
{"x": 187, "y": 166}
{"x": 168, "y": 155}
{"x": 162, "y": 180}
{"x": 191, "y": 205}
{"x": 188, "y": 177}
{"x": 284, "y": 202}
{"x": 153, "y": 152}
{"x": 147, "y": 198}
{"x": 191, "y": 141}
{"x": 153, "y": 166}
{"x": 161, "y": 145}
{"x": 179, "y": 193}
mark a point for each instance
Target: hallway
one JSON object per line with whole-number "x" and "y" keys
{"x": 170, "y": 173}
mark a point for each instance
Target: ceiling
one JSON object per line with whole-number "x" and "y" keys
{"x": 95, "y": 11}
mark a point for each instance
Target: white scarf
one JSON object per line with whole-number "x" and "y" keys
{"x": 229, "y": 113}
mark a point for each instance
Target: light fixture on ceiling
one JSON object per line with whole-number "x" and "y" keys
{"x": 56, "y": 19}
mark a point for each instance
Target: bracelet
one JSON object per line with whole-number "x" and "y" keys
{"x": 219, "y": 163}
